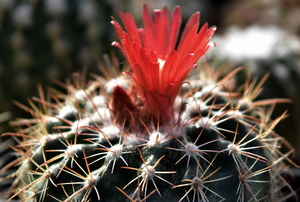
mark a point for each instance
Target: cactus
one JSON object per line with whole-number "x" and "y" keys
{"x": 147, "y": 135}
{"x": 46, "y": 40}
{"x": 280, "y": 57}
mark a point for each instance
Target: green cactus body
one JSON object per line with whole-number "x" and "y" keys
{"x": 206, "y": 142}
{"x": 215, "y": 150}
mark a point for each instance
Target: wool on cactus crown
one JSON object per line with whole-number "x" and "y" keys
{"x": 144, "y": 136}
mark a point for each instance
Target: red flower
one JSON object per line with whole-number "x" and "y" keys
{"x": 159, "y": 66}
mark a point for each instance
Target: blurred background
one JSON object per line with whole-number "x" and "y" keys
{"x": 43, "y": 40}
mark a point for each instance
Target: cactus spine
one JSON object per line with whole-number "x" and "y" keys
{"x": 150, "y": 138}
